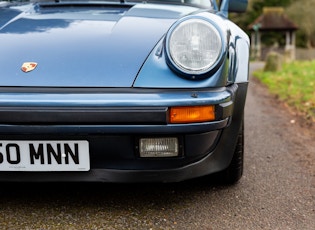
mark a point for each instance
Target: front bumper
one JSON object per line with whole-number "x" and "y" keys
{"x": 113, "y": 122}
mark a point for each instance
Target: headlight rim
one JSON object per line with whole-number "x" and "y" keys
{"x": 185, "y": 72}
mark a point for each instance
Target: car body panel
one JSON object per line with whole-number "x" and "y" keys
{"x": 94, "y": 39}
{"x": 207, "y": 156}
{"x": 100, "y": 76}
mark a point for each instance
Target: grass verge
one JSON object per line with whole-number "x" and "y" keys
{"x": 294, "y": 84}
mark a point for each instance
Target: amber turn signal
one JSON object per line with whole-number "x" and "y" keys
{"x": 192, "y": 114}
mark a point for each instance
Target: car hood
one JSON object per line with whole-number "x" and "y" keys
{"x": 85, "y": 46}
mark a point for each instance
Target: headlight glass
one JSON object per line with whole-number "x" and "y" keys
{"x": 194, "y": 46}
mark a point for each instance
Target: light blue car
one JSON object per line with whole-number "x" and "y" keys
{"x": 122, "y": 91}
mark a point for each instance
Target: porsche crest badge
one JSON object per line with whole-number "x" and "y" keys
{"x": 28, "y": 66}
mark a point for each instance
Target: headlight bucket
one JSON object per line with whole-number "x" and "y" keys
{"x": 194, "y": 47}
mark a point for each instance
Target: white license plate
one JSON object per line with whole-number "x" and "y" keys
{"x": 44, "y": 155}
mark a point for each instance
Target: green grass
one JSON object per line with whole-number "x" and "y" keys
{"x": 294, "y": 84}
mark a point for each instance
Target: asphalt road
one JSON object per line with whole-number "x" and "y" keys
{"x": 277, "y": 190}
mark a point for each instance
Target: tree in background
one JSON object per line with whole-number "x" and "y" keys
{"x": 255, "y": 9}
{"x": 302, "y": 12}
{"x": 299, "y": 11}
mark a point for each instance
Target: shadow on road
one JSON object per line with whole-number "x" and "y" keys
{"x": 109, "y": 194}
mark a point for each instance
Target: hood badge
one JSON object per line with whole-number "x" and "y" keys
{"x": 28, "y": 66}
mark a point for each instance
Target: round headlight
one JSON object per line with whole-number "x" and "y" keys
{"x": 194, "y": 46}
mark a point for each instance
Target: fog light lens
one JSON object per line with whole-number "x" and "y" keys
{"x": 159, "y": 147}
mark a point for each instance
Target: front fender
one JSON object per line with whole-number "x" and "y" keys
{"x": 155, "y": 72}
{"x": 239, "y": 53}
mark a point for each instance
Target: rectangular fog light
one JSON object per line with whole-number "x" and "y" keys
{"x": 158, "y": 147}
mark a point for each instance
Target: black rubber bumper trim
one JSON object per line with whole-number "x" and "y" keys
{"x": 55, "y": 115}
